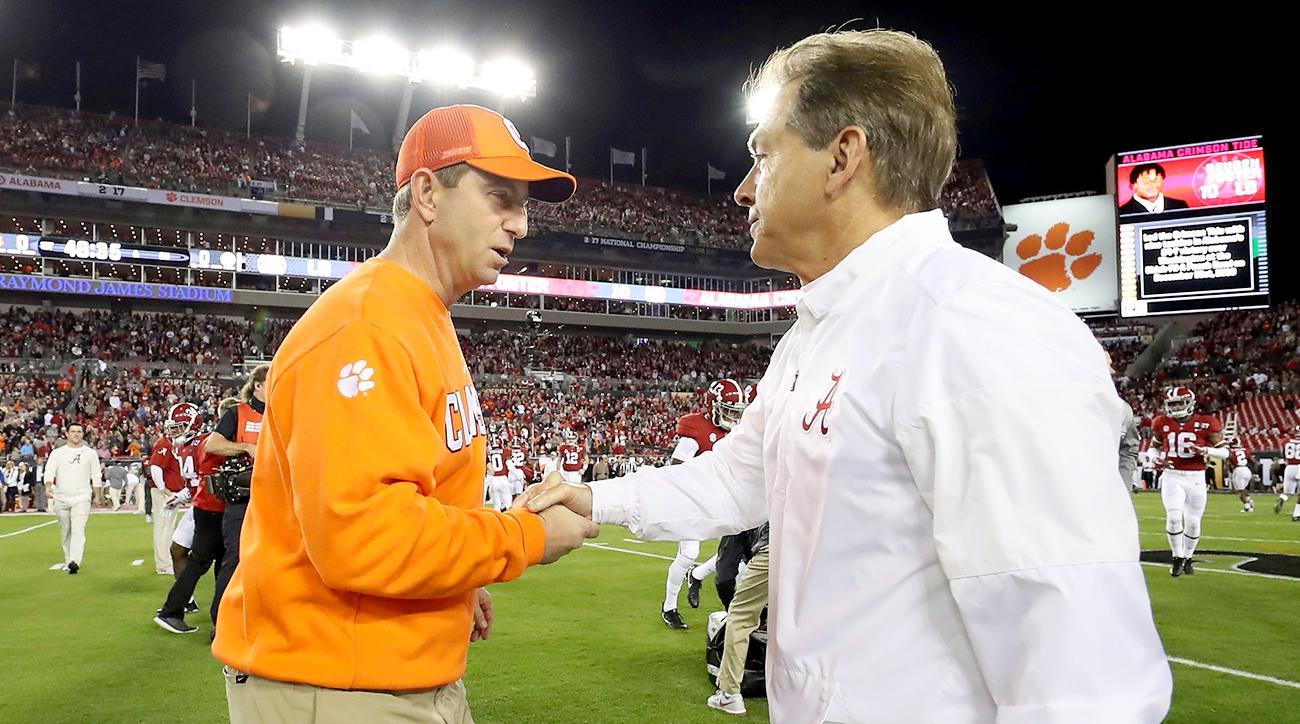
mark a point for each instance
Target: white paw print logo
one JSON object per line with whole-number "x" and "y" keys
{"x": 354, "y": 379}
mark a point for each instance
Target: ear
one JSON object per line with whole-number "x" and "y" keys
{"x": 849, "y": 152}
{"x": 425, "y": 193}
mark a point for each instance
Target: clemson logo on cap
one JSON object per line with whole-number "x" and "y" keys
{"x": 514, "y": 133}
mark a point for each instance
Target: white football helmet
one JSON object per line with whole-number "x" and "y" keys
{"x": 1180, "y": 403}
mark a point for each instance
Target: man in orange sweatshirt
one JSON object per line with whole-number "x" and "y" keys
{"x": 367, "y": 548}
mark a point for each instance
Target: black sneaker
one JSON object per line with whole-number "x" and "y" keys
{"x": 693, "y": 585}
{"x": 192, "y": 607}
{"x": 1277, "y": 507}
{"x": 1187, "y": 567}
{"x": 73, "y": 568}
{"x": 674, "y": 619}
{"x": 174, "y": 625}
{"x": 1177, "y": 569}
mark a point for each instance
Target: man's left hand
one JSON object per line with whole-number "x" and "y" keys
{"x": 483, "y": 615}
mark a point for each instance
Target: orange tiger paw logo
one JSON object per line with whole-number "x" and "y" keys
{"x": 1044, "y": 258}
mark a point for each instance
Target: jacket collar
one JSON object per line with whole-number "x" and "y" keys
{"x": 875, "y": 258}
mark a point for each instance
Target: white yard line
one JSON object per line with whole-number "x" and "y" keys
{"x": 1224, "y": 537}
{"x": 1202, "y": 569}
{"x": 634, "y": 540}
{"x": 1236, "y": 672}
{"x": 24, "y": 530}
{"x": 604, "y": 547}
{"x": 138, "y": 562}
{"x": 1175, "y": 659}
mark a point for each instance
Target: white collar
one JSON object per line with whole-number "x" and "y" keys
{"x": 871, "y": 260}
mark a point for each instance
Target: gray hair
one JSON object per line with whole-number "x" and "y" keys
{"x": 448, "y": 177}
{"x": 890, "y": 84}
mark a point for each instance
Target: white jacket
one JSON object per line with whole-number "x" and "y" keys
{"x": 934, "y": 445}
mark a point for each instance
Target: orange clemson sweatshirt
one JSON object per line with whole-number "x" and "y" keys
{"x": 366, "y": 535}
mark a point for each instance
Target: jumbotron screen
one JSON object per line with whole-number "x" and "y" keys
{"x": 1192, "y": 229}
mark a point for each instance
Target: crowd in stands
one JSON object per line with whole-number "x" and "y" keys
{"x": 1124, "y": 339}
{"x": 114, "y": 150}
{"x": 70, "y": 335}
{"x": 620, "y": 395}
{"x": 968, "y": 200}
{"x": 1227, "y": 359}
{"x": 647, "y": 212}
{"x": 151, "y": 361}
{"x": 661, "y": 363}
{"x": 122, "y": 407}
{"x": 608, "y": 423}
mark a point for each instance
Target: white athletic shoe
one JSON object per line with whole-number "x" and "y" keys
{"x": 729, "y": 703}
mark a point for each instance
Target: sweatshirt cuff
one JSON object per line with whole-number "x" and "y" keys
{"x": 534, "y": 535}
{"x": 612, "y": 502}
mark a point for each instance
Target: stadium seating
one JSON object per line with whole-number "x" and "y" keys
{"x": 1237, "y": 362}
{"x": 47, "y": 141}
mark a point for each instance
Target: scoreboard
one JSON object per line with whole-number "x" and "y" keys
{"x": 1193, "y": 235}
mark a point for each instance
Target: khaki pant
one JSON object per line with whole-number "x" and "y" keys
{"x": 72, "y": 525}
{"x": 742, "y": 619}
{"x": 164, "y": 526}
{"x": 254, "y": 700}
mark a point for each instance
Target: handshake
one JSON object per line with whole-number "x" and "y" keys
{"x": 565, "y": 510}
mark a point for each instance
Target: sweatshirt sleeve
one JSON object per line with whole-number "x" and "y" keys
{"x": 51, "y": 468}
{"x": 361, "y": 445}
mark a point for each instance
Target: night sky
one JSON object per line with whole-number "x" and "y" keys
{"x": 1044, "y": 99}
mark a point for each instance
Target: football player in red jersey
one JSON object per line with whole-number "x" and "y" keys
{"x": 166, "y": 478}
{"x": 1290, "y": 474}
{"x": 697, "y": 434}
{"x": 1242, "y": 471}
{"x": 186, "y": 446}
{"x": 573, "y": 459}
{"x": 1186, "y": 439}
{"x": 207, "y": 540}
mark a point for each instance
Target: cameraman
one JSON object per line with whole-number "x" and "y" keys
{"x": 236, "y": 435}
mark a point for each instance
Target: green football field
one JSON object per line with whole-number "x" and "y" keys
{"x": 581, "y": 641}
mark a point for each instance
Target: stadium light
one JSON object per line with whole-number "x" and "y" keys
{"x": 508, "y": 78}
{"x": 444, "y": 65}
{"x": 758, "y": 104}
{"x": 381, "y": 55}
{"x": 311, "y": 44}
{"x": 314, "y": 45}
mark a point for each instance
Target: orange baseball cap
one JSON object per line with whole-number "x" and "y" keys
{"x": 483, "y": 139}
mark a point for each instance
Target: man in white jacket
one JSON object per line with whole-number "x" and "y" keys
{"x": 71, "y": 473}
{"x": 923, "y": 567}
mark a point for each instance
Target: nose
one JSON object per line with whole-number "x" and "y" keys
{"x": 744, "y": 194}
{"x": 516, "y": 223}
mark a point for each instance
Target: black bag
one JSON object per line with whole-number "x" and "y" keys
{"x": 753, "y": 683}
{"x": 232, "y": 482}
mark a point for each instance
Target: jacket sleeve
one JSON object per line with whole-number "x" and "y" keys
{"x": 51, "y": 469}
{"x": 1128, "y": 447}
{"x": 360, "y": 447}
{"x": 713, "y": 494}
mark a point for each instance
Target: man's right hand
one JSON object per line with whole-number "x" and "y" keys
{"x": 554, "y": 491}
{"x": 565, "y": 531}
